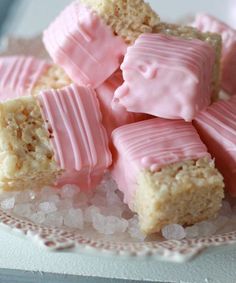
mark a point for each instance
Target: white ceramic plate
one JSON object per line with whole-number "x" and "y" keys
{"x": 58, "y": 239}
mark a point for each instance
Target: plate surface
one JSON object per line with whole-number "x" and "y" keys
{"x": 59, "y": 239}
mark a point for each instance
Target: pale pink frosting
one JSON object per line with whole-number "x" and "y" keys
{"x": 205, "y": 23}
{"x": 150, "y": 145}
{"x": 18, "y": 75}
{"x": 217, "y": 128}
{"x": 114, "y": 118}
{"x": 166, "y": 76}
{"x": 84, "y": 45}
{"x": 78, "y": 137}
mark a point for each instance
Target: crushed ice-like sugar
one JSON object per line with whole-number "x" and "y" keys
{"x": 225, "y": 209}
{"x": 48, "y": 207}
{"x": 109, "y": 225}
{"x": 74, "y": 219}
{"x": 38, "y": 217}
{"x": 69, "y": 191}
{"x": 54, "y": 219}
{"x": 64, "y": 204}
{"x": 206, "y": 228}
{"x": 98, "y": 200}
{"x": 220, "y": 221}
{"x": 81, "y": 200}
{"x": 90, "y": 212}
{"x": 173, "y": 232}
{"x": 24, "y": 210}
{"x": 8, "y": 203}
{"x": 192, "y": 232}
{"x": 134, "y": 230}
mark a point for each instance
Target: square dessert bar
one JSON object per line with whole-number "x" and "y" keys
{"x": 217, "y": 128}
{"x": 166, "y": 174}
{"x": 114, "y": 118}
{"x": 187, "y": 32}
{"x": 83, "y": 45}
{"x": 166, "y": 76}
{"x": 204, "y": 23}
{"x": 126, "y": 18}
{"x": 22, "y": 75}
{"x": 53, "y": 138}
{"x": 27, "y": 157}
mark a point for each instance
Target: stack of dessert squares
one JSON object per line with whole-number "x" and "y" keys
{"x": 127, "y": 93}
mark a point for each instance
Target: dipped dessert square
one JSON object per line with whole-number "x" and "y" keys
{"x": 22, "y": 75}
{"x": 214, "y": 39}
{"x": 126, "y": 18}
{"x": 51, "y": 139}
{"x": 204, "y": 23}
{"x": 114, "y": 118}
{"x": 167, "y": 77}
{"x": 166, "y": 174}
{"x": 83, "y": 45}
{"x": 217, "y": 128}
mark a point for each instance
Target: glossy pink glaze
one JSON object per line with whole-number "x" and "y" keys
{"x": 166, "y": 77}
{"x": 18, "y": 75}
{"x": 79, "y": 139}
{"x": 205, "y": 23}
{"x": 114, "y": 118}
{"x": 84, "y": 45}
{"x": 150, "y": 145}
{"x": 217, "y": 128}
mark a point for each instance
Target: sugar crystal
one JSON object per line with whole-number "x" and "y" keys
{"x": 173, "y": 232}
{"x": 47, "y": 207}
{"x": 74, "y": 219}
{"x": 8, "y": 204}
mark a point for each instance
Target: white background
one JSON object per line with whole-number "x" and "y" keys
{"x": 32, "y": 16}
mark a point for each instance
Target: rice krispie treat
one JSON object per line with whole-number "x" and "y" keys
{"x": 54, "y": 78}
{"x": 187, "y": 32}
{"x": 166, "y": 174}
{"x": 204, "y": 23}
{"x": 54, "y": 138}
{"x": 217, "y": 128}
{"x": 114, "y": 118}
{"x": 126, "y": 18}
{"x": 83, "y": 45}
{"x": 22, "y": 75}
{"x": 166, "y": 76}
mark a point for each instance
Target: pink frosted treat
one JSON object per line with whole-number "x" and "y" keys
{"x": 205, "y": 23}
{"x": 19, "y": 74}
{"x": 217, "y": 128}
{"x": 166, "y": 76}
{"x": 56, "y": 138}
{"x": 165, "y": 172}
{"x": 114, "y": 118}
{"x": 78, "y": 138}
{"x": 80, "y": 42}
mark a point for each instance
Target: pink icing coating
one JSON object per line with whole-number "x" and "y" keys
{"x": 205, "y": 23}
{"x": 114, "y": 118}
{"x": 150, "y": 145}
{"x": 84, "y": 45}
{"x": 18, "y": 75}
{"x": 217, "y": 128}
{"x": 166, "y": 77}
{"x": 79, "y": 140}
